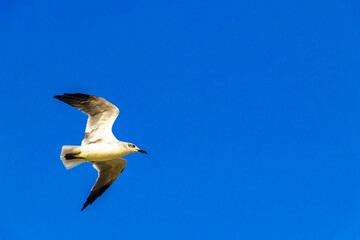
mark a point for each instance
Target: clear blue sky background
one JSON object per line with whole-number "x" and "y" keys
{"x": 250, "y": 112}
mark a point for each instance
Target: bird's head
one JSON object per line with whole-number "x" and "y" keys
{"x": 133, "y": 148}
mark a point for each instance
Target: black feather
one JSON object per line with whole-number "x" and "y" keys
{"x": 71, "y": 97}
{"x": 94, "y": 195}
{"x": 70, "y": 156}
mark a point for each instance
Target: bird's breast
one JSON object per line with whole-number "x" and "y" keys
{"x": 101, "y": 152}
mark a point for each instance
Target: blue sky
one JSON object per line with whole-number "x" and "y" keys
{"x": 249, "y": 111}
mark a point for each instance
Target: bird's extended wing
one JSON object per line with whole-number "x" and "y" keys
{"x": 102, "y": 115}
{"x": 108, "y": 172}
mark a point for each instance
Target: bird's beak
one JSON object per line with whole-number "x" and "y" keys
{"x": 142, "y": 151}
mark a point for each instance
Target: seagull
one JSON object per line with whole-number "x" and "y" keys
{"x": 99, "y": 146}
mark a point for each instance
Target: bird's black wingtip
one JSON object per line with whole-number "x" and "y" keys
{"x": 85, "y": 205}
{"x": 73, "y": 96}
{"x": 94, "y": 195}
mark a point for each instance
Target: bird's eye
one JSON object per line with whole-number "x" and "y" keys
{"x": 133, "y": 145}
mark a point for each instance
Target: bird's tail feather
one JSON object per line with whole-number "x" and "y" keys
{"x": 70, "y": 156}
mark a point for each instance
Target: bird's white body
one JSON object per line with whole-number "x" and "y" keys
{"x": 103, "y": 151}
{"x": 98, "y": 151}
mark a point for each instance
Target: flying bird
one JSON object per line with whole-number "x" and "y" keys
{"x": 99, "y": 146}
